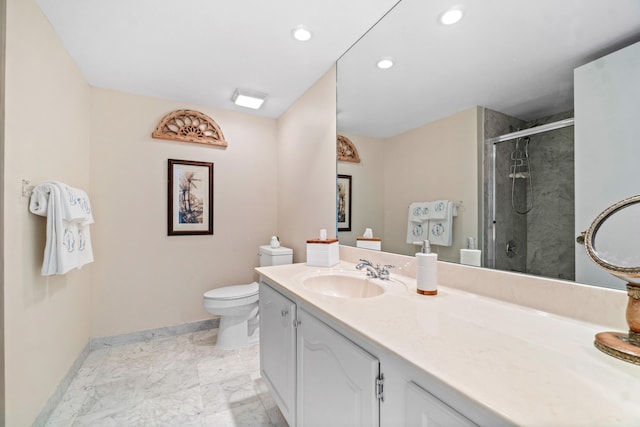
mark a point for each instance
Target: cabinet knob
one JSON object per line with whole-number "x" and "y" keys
{"x": 297, "y": 323}
{"x": 284, "y": 313}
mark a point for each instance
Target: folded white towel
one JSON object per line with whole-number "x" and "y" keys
{"x": 419, "y": 211}
{"x": 68, "y": 243}
{"x": 417, "y": 231}
{"x": 439, "y": 209}
{"x": 441, "y": 230}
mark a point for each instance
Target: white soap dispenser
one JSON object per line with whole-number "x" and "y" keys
{"x": 427, "y": 270}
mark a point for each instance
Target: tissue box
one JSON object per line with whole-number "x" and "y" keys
{"x": 322, "y": 253}
{"x": 372, "y": 243}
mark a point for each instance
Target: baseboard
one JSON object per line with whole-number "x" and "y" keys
{"x": 56, "y": 397}
{"x": 150, "y": 334}
{"x": 112, "y": 341}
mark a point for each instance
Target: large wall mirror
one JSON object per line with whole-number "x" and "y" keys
{"x": 481, "y": 114}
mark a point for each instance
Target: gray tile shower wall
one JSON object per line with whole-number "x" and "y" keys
{"x": 543, "y": 238}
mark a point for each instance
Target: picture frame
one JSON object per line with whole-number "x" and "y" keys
{"x": 190, "y": 198}
{"x": 344, "y": 202}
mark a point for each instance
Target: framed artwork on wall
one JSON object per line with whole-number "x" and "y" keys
{"x": 344, "y": 202}
{"x": 190, "y": 198}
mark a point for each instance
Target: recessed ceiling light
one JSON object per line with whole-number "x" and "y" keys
{"x": 248, "y": 98}
{"x": 301, "y": 33}
{"x": 451, "y": 16}
{"x": 385, "y": 63}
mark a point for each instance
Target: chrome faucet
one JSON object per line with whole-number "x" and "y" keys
{"x": 376, "y": 272}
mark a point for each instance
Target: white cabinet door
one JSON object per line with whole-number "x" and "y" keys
{"x": 278, "y": 348}
{"x": 336, "y": 378}
{"x": 422, "y": 409}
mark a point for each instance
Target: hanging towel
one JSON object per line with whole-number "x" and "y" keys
{"x": 417, "y": 231}
{"x": 419, "y": 211}
{"x": 68, "y": 213}
{"x": 440, "y": 231}
{"x": 439, "y": 209}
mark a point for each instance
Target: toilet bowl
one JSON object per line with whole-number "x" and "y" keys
{"x": 237, "y": 307}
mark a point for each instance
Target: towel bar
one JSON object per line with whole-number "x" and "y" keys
{"x": 26, "y": 188}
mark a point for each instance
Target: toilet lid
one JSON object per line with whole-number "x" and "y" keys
{"x": 233, "y": 292}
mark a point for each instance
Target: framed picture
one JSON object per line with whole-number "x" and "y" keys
{"x": 190, "y": 192}
{"x": 344, "y": 202}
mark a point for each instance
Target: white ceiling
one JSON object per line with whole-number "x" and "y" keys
{"x": 516, "y": 57}
{"x": 512, "y": 56}
{"x": 199, "y": 51}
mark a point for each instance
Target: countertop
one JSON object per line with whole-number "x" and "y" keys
{"x": 530, "y": 367}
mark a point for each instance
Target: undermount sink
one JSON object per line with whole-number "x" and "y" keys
{"x": 343, "y": 284}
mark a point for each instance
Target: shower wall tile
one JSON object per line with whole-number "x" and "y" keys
{"x": 543, "y": 237}
{"x": 550, "y": 225}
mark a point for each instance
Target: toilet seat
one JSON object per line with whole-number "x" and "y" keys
{"x": 231, "y": 296}
{"x": 233, "y": 292}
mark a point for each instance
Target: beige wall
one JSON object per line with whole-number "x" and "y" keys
{"x": 276, "y": 177}
{"x": 46, "y": 134}
{"x": 144, "y": 279}
{"x": 436, "y": 161}
{"x": 306, "y": 167}
{"x": 368, "y": 188}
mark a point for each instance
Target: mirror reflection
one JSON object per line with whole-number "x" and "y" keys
{"x": 444, "y": 121}
{"x": 612, "y": 241}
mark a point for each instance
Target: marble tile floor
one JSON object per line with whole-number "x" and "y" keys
{"x": 178, "y": 381}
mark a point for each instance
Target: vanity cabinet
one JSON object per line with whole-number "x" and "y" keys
{"x": 336, "y": 378}
{"x": 278, "y": 348}
{"x": 320, "y": 375}
{"x": 423, "y": 409}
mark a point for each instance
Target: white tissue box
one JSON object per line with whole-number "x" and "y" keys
{"x": 372, "y": 243}
{"x": 323, "y": 253}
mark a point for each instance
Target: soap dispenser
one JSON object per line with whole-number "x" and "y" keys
{"x": 427, "y": 270}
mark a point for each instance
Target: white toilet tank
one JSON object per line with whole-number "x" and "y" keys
{"x": 275, "y": 256}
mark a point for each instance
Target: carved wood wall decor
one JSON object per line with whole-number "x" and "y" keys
{"x": 347, "y": 152}
{"x": 189, "y": 126}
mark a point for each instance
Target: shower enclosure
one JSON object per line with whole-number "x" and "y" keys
{"x": 529, "y": 195}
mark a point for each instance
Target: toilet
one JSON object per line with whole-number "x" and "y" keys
{"x": 237, "y": 305}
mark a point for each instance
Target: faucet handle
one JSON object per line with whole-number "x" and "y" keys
{"x": 366, "y": 260}
{"x": 384, "y": 273}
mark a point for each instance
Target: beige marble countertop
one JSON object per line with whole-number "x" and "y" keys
{"x": 530, "y": 367}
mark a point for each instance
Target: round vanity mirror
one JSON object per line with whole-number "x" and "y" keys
{"x": 613, "y": 240}
{"x": 612, "y": 243}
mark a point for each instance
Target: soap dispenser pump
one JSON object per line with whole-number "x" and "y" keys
{"x": 426, "y": 270}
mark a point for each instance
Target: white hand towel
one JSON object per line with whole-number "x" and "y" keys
{"x": 441, "y": 230}
{"x": 419, "y": 211}
{"x": 75, "y": 203}
{"x": 439, "y": 209}
{"x": 417, "y": 231}
{"x": 68, "y": 243}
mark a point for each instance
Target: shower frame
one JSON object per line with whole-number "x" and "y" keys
{"x": 490, "y": 259}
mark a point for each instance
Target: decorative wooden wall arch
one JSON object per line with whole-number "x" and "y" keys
{"x": 347, "y": 151}
{"x": 189, "y": 126}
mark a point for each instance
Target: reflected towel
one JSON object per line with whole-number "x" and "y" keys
{"x": 417, "y": 232}
{"x": 439, "y": 209}
{"x": 419, "y": 211}
{"x": 440, "y": 231}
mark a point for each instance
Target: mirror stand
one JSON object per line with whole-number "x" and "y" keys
{"x": 618, "y": 259}
{"x": 624, "y": 346}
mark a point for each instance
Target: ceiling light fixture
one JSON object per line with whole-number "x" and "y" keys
{"x": 301, "y": 33}
{"x": 385, "y": 63}
{"x": 451, "y": 16}
{"x": 248, "y": 98}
